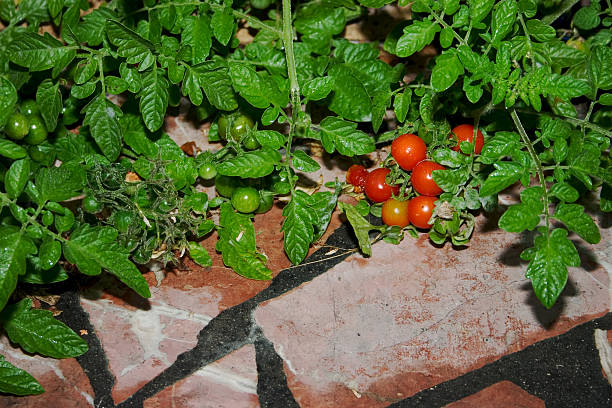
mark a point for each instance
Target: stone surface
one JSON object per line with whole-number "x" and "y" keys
{"x": 503, "y": 394}
{"x": 413, "y": 316}
{"x": 230, "y": 382}
{"x": 65, "y": 383}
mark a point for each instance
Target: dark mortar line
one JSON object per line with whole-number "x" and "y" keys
{"x": 563, "y": 371}
{"x": 272, "y": 388}
{"x": 233, "y": 327}
{"x": 94, "y": 362}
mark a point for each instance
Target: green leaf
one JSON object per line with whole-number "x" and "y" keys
{"x": 131, "y": 46}
{"x": 55, "y": 6}
{"x": 504, "y": 17}
{"x": 565, "y": 86}
{"x": 16, "y": 381}
{"x": 49, "y": 101}
{"x": 303, "y": 162}
{"x": 587, "y": 18}
{"x": 344, "y": 137}
{"x": 223, "y": 25}
{"x": 8, "y": 99}
{"x": 564, "y": 192}
{"x": 237, "y": 245}
{"x": 270, "y": 138}
{"x": 605, "y": 99}
{"x": 479, "y": 9}
{"x": 217, "y": 85}
{"x": 197, "y": 34}
{"x": 401, "y": 104}
{"x": 256, "y": 87}
{"x": 540, "y": 31}
{"x": 298, "y": 226}
{"x": 12, "y": 150}
{"x": 528, "y": 7}
{"x": 499, "y": 146}
{"x": 446, "y": 37}
{"x": 15, "y": 246}
{"x": 526, "y": 215}
{"x": 258, "y": 163}
{"x": 320, "y": 19}
{"x": 49, "y": 253}
{"x": 350, "y": 98}
{"x": 199, "y": 254}
{"x": 446, "y": 71}
{"x": 599, "y": 67}
{"x": 16, "y": 178}
{"x": 60, "y": 183}
{"x": 361, "y": 227}
{"x": 451, "y": 180}
{"x": 416, "y": 36}
{"x": 380, "y": 102}
{"x": 102, "y": 117}
{"x": 116, "y": 85}
{"x": 95, "y": 248}
{"x": 154, "y": 99}
{"x": 317, "y": 88}
{"x": 38, "y": 53}
{"x": 36, "y": 331}
{"x": 574, "y": 217}
{"x": 505, "y": 174}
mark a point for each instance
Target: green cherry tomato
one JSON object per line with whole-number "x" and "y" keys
{"x": 261, "y": 4}
{"x": 236, "y": 125}
{"x": 204, "y": 111}
{"x": 250, "y": 142}
{"x": 17, "y": 126}
{"x": 43, "y": 153}
{"x": 226, "y": 185}
{"x": 207, "y": 171}
{"x": 91, "y": 205}
{"x": 38, "y": 132}
{"x": 245, "y": 199}
{"x": 266, "y": 201}
{"x": 123, "y": 220}
{"x": 29, "y": 107}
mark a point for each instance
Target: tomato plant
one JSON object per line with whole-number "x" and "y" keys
{"x": 395, "y": 212}
{"x": 534, "y": 77}
{"x": 376, "y": 187}
{"x": 422, "y": 178}
{"x": 420, "y": 210}
{"x": 408, "y": 150}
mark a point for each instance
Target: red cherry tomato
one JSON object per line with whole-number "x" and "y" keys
{"x": 420, "y": 209}
{"x": 395, "y": 212}
{"x": 408, "y": 150}
{"x": 376, "y": 188}
{"x": 356, "y": 175}
{"x": 465, "y": 133}
{"x": 422, "y": 178}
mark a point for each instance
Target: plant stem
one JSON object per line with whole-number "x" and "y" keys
{"x": 101, "y": 69}
{"x": 529, "y": 44}
{"x": 445, "y": 25}
{"x": 294, "y": 85}
{"x": 536, "y": 160}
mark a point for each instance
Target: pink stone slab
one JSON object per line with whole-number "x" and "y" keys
{"x": 413, "y": 316}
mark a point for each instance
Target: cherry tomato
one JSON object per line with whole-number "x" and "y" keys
{"x": 237, "y": 125}
{"x": 38, "y": 132}
{"x": 420, "y": 209}
{"x": 91, "y": 205}
{"x": 207, "y": 171}
{"x": 226, "y": 185}
{"x": 356, "y": 175}
{"x": 395, "y": 212}
{"x": 408, "y": 150}
{"x": 29, "y": 107}
{"x": 250, "y": 142}
{"x": 465, "y": 133}
{"x": 123, "y": 220}
{"x": 376, "y": 188}
{"x": 422, "y": 178}
{"x": 266, "y": 201}
{"x": 245, "y": 199}
{"x": 17, "y": 126}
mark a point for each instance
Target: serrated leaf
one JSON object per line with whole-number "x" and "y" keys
{"x": 317, "y": 88}
{"x": 217, "y": 85}
{"x": 350, "y": 98}
{"x": 197, "y": 33}
{"x": 446, "y": 71}
{"x": 499, "y": 146}
{"x": 380, "y": 102}
{"x": 451, "y": 180}
{"x": 16, "y": 381}
{"x": 303, "y": 162}
{"x": 599, "y": 67}
{"x": 416, "y": 36}
{"x": 14, "y": 247}
{"x": 361, "y": 227}
{"x": 102, "y": 117}
{"x": 237, "y": 245}
{"x": 298, "y": 229}
{"x": 8, "y": 99}
{"x": 401, "y": 104}
{"x": 60, "y": 183}
{"x": 540, "y": 31}
{"x": 199, "y": 254}
{"x": 131, "y": 46}
{"x": 587, "y": 18}
{"x": 565, "y": 192}
{"x": 12, "y": 150}
{"x": 505, "y": 174}
{"x": 95, "y": 248}
{"x": 16, "y": 177}
{"x": 37, "y": 52}
{"x": 479, "y": 9}
{"x": 574, "y": 217}
{"x": 36, "y": 331}
{"x": 270, "y": 138}
{"x": 223, "y": 26}
{"x": 258, "y": 163}
{"x": 504, "y": 16}
{"x": 344, "y": 137}
{"x": 154, "y": 99}
{"x": 49, "y": 101}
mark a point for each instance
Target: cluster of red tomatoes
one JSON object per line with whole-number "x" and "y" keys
{"x": 410, "y": 153}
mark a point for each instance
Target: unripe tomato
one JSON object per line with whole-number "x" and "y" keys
{"x": 408, "y": 150}
{"x": 266, "y": 201}
{"x": 465, "y": 133}
{"x": 235, "y": 126}
{"x": 245, "y": 199}
{"x": 29, "y": 107}
{"x": 422, "y": 178}
{"x": 91, "y": 205}
{"x": 226, "y": 185}
{"x": 38, "y": 132}
{"x": 420, "y": 209}
{"x": 376, "y": 188}
{"x": 17, "y": 126}
{"x": 207, "y": 171}
{"x": 395, "y": 212}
